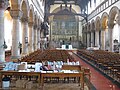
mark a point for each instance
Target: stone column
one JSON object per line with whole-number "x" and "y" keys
{"x": 103, "y": 39}
{"x": 31, "y": 37}
{"x": 97, "y": 38}
{"x": 118, "y": 21}
{"x": 92, "y": 39}
{"x": 38, "y": 38}
{"x": 3, "y": 6}
{"x": 110, "y": 35}
{"x": 85, "y": 39}
{"x": 24, "y": 36}
{"x": 16, "y": 15}
{"x": 35, "y": 37}
{"x": 88, "y": 39}
{"x": 119, "y": 37}
{"x": 50, "y": 37}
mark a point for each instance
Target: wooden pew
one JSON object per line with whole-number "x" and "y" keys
{"x": 61, "y": 75}
{"x": 72, "y": 67}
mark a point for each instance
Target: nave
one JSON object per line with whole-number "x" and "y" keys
{"x": 98, "y": 80}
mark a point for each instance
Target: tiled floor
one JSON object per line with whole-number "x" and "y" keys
{"x": 97, "y": 79}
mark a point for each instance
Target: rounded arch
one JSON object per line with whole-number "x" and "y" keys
{"x": 31, "y": 14}
{"x": 25, "y": 8}
{"x": 112, "y": 14}
{"x": 104, "y": 20}
{"x": 58, "y": 9}
{"x": 97, "y": 23}
{"x": 64, "y": 17}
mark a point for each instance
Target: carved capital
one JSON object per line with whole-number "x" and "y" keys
{"x": 24, "y": 19}
{"x": 35, "y": 27}
{"x": 30, "y": 24}
{"x": 39, "y": 28}
{"x": 110, "y": 25}
{"x": 16, "y": 14}
{"x": 4, "y": 4}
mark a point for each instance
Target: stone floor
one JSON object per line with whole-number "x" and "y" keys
{"x": 63, "y": 87}
{"x": 55, "y": 86}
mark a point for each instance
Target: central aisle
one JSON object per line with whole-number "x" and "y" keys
{"x": 97, "y": 79}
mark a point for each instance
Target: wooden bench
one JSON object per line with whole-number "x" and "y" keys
{"x": 79, "y": 68}
{"x": 19, "y": 74}
{"x": 68, "y": 75}
{"x": 72, "y": 67}
{"x": 63, "y": 75}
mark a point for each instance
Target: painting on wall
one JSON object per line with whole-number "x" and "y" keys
{"x": 64, "y": 28}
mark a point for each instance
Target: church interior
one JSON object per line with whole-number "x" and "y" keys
{"x": 59, "y": 44}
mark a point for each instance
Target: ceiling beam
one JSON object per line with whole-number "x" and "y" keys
{"x": 73, "y": 14}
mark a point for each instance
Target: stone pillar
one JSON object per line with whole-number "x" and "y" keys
{"x": 110, "y": 35}
{"x": 3, "y": 6}
{"x": 85, "y": 39}
{"x": 103, "y": 39}
{"x": 31, "y": 38}
{"x": 38, "y": 38}
{"x": 24, "y": 36}
{"x": 118, "y": 21}
{"x": 92, "y": 39}
{"x": 119, "y": 37}
{"x": 50, "y": 37}
{"x": 97, "y": 38}
{"x": 16, "y": 15}
{"x": 2, "y": 50}
{"x": 35, "y": 37}
{"x": 110, "y": 39}
{"x": 88, "y": 39}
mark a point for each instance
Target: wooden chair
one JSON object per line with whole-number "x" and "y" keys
{"x": 87, "y": 72}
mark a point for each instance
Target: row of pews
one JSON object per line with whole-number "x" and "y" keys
{"x": 107, "y": 62}
{"x": 40, "y": 78}
{"x": 47, "y": 55}
{"x": 30, "y": 58}
{"x": 51, "y": 55}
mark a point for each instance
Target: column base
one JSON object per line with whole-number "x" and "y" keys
{"x": 23, "y": 54}
{"x": 15, "y": 58}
